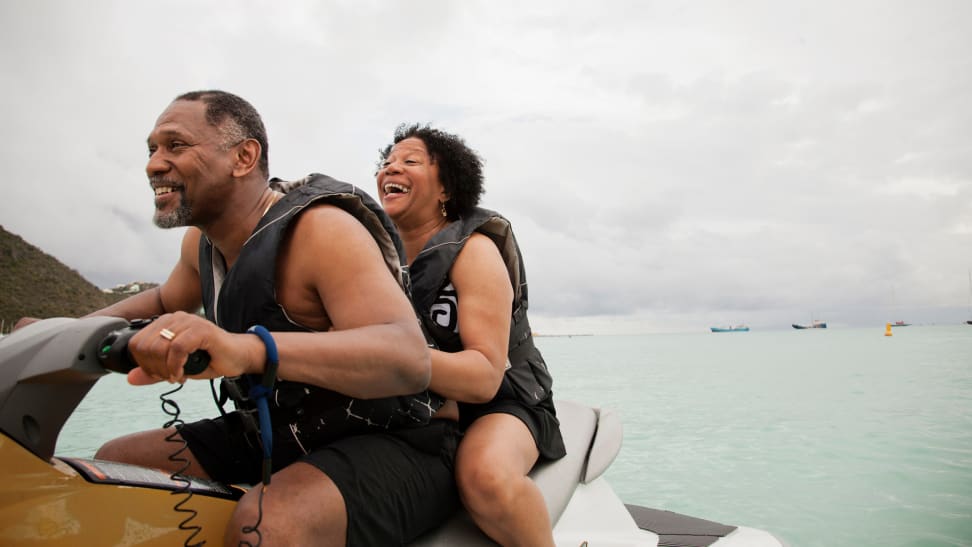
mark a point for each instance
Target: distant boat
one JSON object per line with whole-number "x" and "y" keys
{"x": 814, "y": 325}
{"x": 897, "y": 323}
{"x": 969, "y": 321}
{"x": 731, "y": 328}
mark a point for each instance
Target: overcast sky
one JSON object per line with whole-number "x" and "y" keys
{"x": 666, "y": 165}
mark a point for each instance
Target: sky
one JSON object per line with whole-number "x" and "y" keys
{"x": 667, "y": 166}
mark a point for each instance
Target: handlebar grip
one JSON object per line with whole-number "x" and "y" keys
{"x": 114, "y": 356}
{"x": 197, "y": 362}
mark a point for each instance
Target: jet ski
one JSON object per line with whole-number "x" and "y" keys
{"x": 48, "y": 367}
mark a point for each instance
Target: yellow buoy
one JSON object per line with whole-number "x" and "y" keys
{"x": 887, "y": 330}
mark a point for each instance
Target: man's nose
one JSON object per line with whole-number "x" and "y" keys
{"x": 156, "y": 163}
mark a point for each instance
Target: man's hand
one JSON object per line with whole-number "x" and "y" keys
{"x": 161, "y": 349}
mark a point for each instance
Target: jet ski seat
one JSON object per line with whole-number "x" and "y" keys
{"x": 593, "y": 439}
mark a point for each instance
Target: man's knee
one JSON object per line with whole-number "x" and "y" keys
{"x": 301, "y": 506}
{"x": 110, "y": 451}
{"x": 124, "y": 449}
{"x": 150, "y": 449}
{"x": 251, "y": 523}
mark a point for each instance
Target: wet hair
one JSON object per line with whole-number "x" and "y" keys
{"x": 460, "y": 167}
{"x": 247, "y": 124}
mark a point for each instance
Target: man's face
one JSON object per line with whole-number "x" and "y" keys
{"x": 190, "y": 167}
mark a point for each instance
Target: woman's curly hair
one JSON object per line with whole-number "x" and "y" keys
{"x": 460, "y": 167}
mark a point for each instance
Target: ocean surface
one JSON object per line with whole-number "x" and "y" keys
{"x": 836, "y": 437}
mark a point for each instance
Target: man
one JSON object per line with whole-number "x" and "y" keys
{"x": 314, "y": 267}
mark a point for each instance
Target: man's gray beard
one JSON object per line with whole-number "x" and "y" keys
{"x": 175, "y": 219}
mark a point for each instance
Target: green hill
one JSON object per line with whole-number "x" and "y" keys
{"x": 35, "y": 284}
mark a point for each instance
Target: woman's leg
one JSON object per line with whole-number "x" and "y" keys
{"x": 492, "y": 464}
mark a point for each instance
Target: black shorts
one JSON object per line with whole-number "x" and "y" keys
{"x": 540, "y": 419}
{"x": 396, "y": 485}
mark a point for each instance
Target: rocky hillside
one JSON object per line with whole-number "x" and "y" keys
{"x": 35, "y": 284}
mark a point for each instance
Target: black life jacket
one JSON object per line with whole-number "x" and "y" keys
{"x": 527, "y": 377}
{"x": 308, "y": 414}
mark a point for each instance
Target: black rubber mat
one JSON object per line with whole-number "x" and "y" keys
{"x": 677, "y": 530}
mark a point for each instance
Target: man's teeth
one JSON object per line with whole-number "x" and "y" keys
{"x": 160, "y": 190}
{"x": 392, "y": 188}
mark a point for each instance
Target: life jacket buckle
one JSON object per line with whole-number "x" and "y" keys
{"x": 231, "y": 387}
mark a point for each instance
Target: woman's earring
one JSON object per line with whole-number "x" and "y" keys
{"x": 442, "y": 208}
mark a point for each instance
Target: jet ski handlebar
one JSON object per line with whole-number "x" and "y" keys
{"x": 114, "y": 356}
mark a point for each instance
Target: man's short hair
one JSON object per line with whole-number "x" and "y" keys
{"x": 247, "y": 124}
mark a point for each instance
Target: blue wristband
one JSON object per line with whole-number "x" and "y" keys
{"x": 270, "y": 372}
{"x": 259, "y": 394}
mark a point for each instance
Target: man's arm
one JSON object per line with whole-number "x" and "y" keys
{"x": 374, "y": 347}
{"x": 180, "y": 292}
{"x": 330, "y": 268}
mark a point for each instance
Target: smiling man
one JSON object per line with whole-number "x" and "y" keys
{"x": 357, "y": 457}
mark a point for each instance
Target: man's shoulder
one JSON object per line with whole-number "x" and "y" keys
{"x": 314, "y": 183}
{"x": 323, "y": 211}
{"x": 326, "y": 218}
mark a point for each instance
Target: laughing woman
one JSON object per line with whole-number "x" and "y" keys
{"x": 469, "y": 288}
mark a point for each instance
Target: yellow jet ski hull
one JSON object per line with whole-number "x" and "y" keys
{"x": 53, "y": 504}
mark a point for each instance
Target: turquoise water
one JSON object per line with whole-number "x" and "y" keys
{"x": 825, "y": 438}
{"x": 837, "y": 437}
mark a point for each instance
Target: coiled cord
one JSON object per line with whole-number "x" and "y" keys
{"x": 258, "y": 393}
{"x": 171, "y": 408}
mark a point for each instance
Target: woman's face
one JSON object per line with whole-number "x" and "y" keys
{"x": 408, "y": 183}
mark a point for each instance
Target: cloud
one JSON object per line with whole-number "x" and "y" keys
{"x": 663, "y": 164}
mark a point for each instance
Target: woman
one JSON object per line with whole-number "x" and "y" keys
{"x": 469, "y": 288}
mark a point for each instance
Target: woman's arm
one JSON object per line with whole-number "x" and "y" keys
{"x": 485, "y": 297}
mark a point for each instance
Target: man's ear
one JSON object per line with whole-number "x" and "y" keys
{"x": 247, "y": 157}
